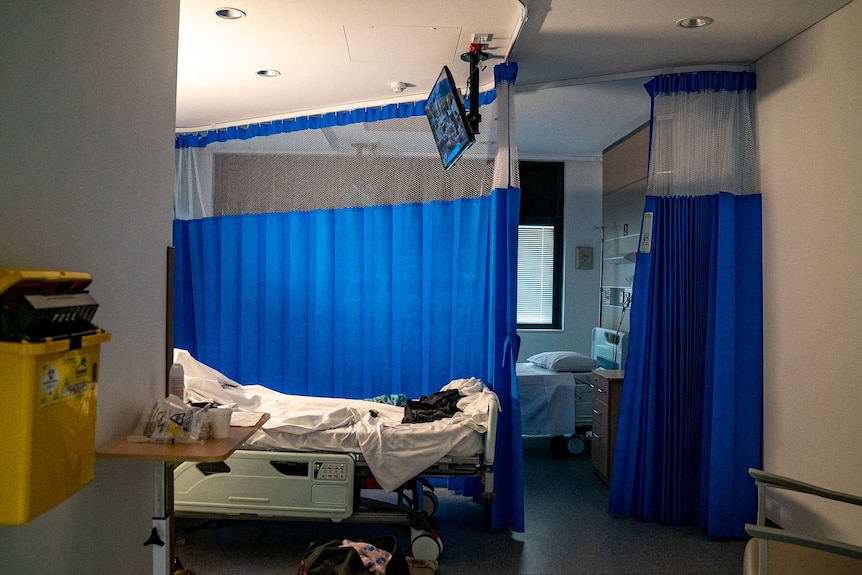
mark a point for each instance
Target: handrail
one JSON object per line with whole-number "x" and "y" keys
{"x": 781, "y": 482}
{"x": 764, "y": 480}
{"x": 794, "y": 538}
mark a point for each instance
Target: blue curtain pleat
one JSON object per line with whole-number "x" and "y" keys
{"x": 690, "y": 418}
{"x": 347, "y": 300}
{"x": 362, "y": 302}
{"x": 737, "y": 371}
{"x": 501, "y": 326}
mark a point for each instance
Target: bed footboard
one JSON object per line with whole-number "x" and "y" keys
{"x": 268, "y": 484}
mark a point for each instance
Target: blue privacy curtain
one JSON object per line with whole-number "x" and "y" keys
{"x": 690, "y": 422}
{"x": 367, "y": 298}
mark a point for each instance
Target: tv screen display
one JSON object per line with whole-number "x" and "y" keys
{"x": 445, "y": 112}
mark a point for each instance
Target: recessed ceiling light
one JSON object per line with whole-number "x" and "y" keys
{"x": 229, "y": 13}
{"x": 268, "y": 73}
{"x": 695, "y": 22}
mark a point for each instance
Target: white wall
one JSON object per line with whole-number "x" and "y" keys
{"x": 87, "y": 98}
{"x": 582, "y": 218}
{"x": 809, "y": 96}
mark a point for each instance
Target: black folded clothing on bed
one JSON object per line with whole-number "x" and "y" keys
{"x": 433, "y": 407}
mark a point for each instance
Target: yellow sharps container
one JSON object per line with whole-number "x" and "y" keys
{"x": 49, "y": 373}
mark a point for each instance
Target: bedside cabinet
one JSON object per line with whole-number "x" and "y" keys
{"x": 607, "y": 389}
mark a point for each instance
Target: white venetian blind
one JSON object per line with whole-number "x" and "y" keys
{"x": 535, "y": 274}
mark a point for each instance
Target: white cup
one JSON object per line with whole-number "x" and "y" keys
{"x": 220, "y": 422}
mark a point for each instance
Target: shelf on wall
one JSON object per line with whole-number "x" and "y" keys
{"x": 622, "y": 237}
{"x": 628, "y": 258}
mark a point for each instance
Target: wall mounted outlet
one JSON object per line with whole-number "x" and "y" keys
{"x": 584, "y": 258}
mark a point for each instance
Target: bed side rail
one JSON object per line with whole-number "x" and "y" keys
{"x": 489, "y": 451}
{"x": 490, "y": 446}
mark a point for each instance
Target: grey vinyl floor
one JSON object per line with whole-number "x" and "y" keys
{"x": 568, "y": 532}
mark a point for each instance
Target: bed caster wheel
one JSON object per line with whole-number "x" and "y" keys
{"x": 430, "y": 503}
{"x": 558, "y": 446}
{"x": 575, "y": 445}
{"x": 425, "y": 546}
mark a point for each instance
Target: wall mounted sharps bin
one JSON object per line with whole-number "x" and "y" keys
{"x": 49, "y": 368}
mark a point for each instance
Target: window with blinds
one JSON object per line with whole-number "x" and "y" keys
{"x": 536, "y": 275}
{"x": 540, "y": 246}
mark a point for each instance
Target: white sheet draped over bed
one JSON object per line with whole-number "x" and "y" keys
{"x": 395, "y": 452}
{"x": 552, "y": 402}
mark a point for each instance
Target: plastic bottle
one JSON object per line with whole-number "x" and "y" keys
{"x": 176, "y": 381}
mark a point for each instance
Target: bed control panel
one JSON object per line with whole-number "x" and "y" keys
{"x": 269, "y": 484}
{"x": 330, "y": 470}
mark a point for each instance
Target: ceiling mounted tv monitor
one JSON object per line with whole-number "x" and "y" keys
{"x": 445, "y": 111}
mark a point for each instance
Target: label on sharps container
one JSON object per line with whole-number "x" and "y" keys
{"x": 50, "y": 379}
{"x": 64, "y": 377}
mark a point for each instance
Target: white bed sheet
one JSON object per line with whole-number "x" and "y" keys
{"x": 395, "y": 452}
{"x": 548, "y": 399}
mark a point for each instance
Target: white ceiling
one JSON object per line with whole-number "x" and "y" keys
{"x": 581, "y": 63}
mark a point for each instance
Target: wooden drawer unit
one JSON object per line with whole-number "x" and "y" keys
{"x": 607, "y": 389}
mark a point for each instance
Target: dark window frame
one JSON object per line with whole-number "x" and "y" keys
{"x": 532, "y": 213}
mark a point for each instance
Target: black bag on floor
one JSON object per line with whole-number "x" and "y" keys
{"x": 330, "y": 558}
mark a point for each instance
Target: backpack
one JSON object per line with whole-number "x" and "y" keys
{"x": 330, "y": 558}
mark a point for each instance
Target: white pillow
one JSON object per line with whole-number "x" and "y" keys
{"x": 564, "y": 361}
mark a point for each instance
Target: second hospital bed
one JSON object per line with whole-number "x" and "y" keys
{"x": 315, "y": 455}
{"x": 555, "y": 388}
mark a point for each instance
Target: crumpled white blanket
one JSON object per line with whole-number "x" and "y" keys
{"x": 395, "y": 452}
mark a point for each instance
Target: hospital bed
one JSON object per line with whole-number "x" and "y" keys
{"x": 316, "y": 456}
{"x": 555, "y": 388}
{"x": 554, "y": 403}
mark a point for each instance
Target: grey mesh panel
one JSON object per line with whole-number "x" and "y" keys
{"x": 260, "y": 183}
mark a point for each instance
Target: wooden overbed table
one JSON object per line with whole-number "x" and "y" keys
{"x": 210, "y": 451}
{"x": 165, "y": 456}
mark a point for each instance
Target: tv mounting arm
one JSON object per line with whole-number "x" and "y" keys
{"x": 474, "y": 56}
